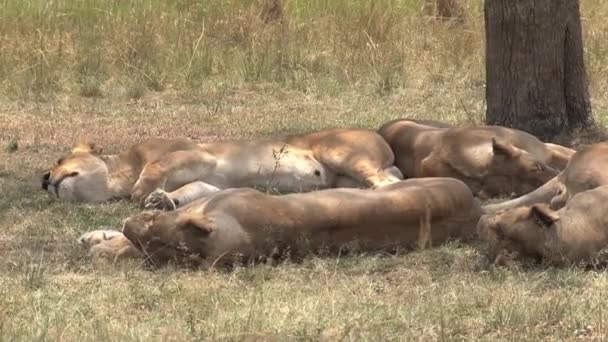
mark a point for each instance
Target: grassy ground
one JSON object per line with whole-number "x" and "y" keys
{"x": 117, "y": 71}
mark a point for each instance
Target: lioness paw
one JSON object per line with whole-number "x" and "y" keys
{"x": 143, "y": 188}
{"x": 159, "y": 199}
{"x": 381, "y": 183}
{"x": 92, "y": 238}
{"x": 114, "y": 250}
{"x": 108, "y": 244}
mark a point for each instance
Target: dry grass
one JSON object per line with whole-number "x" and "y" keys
{"x": 117, "y": 71}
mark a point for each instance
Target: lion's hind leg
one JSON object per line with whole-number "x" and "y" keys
{"x": 363, "y": 168}
{"x": 378, "y": 177}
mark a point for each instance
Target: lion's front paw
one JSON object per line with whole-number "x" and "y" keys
{"x": 382, "y": 183}
{"x": 143, "y": 188}
{"x": 380, "y": 180}
{"x": 159, "y": 199}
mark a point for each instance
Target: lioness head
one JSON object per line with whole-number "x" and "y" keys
{"x": 168, "y": 236}
{"x": 81, "y": 175}
{"x": 517, "y": 232}
{"x": 295, "y": 168}
{"x": 514, "y": 162}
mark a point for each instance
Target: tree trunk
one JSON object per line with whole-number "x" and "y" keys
{"x": 535, "y": 70}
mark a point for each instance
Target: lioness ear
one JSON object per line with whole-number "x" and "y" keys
{"x": 504, "y": 148}
{"x": 198, "y": 223}
{"x": 87, "y": 147}
{"x": 497, "y": 229}
{"x": 544, "y": 215}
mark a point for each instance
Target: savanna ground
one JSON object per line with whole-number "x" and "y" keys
{"x": 118, "y": 71}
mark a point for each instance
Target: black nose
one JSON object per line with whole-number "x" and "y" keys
{"x": 45, "y": 180}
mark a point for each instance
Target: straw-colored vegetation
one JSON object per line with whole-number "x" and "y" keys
{"x": 116, "y": 71}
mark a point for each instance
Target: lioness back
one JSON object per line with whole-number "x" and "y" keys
{"x": 585, "y": 170}
{"x": 491, "y": 160}
{"x": 249, "y": 223}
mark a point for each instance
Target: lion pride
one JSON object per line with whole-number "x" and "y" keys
{"x": 169, "y": 173}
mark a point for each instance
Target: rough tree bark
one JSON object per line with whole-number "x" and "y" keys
{"x": 535, "y": 70}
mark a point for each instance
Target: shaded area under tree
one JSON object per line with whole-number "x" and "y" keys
{"x": 536, "y": 79}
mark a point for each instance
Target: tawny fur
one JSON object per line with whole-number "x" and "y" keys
{"x": 492, "y": 161}
{"x": 325, "y": 159}
{"x": 108, "y": 244}
{"x": 574, "y": 234}
{"x": 244, "y": 224}
{"x": 587, "y": 169}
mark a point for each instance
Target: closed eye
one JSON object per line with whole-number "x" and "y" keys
{"x": 499, "y": 232}
{"x": 56, "y": 184}
{"x": 73, "y": 174}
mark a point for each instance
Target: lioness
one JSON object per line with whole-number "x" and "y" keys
{"x": 491, "y": 160}
{"x": 245, "y": 224}
{"x": 325, "y": 159}
{"x": 587, "y": 169}
{"x": 577, "y": 233}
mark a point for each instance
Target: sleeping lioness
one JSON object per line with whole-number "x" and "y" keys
{"x": 326, "y": 159}
{"x": 245, "y": 224}
{"x": 587, "y": 169}
{"x": 491, "y": 160}
{"x": 577, "y": 233}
